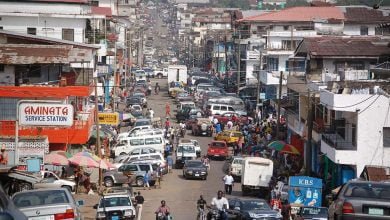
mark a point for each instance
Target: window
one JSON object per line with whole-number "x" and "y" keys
{"x": 1, "y": 27}
{"x": 386, "y": 137}
{"x": 32, "y": 31}
{"x": 273, "y": 63}
{"x": 223, "y": 108}
{"x": 363, "y": 30}
{"x": 94, "y": 3}
{"x": 216, "y": 107}
{"x": 68, "y": 34}
{"x": 1, "y": 67}
{"x": 144, "y": 167}
{"x": 286, "y": 27}
{"x": 135, "y": 152}
{"x": 136, "y": 142}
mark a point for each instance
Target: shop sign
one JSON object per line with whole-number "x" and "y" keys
{"x": 108, "y": 118}
{"x": 45, "y": 114}
{"x": 305, "y": 191}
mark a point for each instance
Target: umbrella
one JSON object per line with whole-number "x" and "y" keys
{"x": 288, "y": 148}
{"x": 101, "y": 134}
{"x": 104, "y": 164}
{"x": 277, "y": 145}
{"x": 88, "y": 154}
{"x": 84, "y": 161}
{"x": 56, "y": 159}
{"x": 283, "y": 147}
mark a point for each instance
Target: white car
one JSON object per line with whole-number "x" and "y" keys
{"x": 136, "y": 108}
{"x": 51, "y": 180}
{"x": 111, "y": 203}
{"x": 195, "y": 143}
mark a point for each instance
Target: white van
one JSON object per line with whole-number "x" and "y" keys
{"x": 132, "y": 131}
{"x": 147, "y": 132}
{"x": 185, "y": 104}
{"x": 256, "y": 175}
{"x": 129, "y": 143}
{"x": 219, "y": 109}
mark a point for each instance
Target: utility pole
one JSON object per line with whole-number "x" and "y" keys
{"x": 97, "y": 130}
{"x": 279, "y": 102}
{"x": 226, "y": 50}
{"x": 239, "y": 66}
{"x": 310, "y": 118}
{"x": 258, "y": 78}
{"x": 218, "y": 57}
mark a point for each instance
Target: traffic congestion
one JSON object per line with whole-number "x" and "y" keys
{"x": 174, "y": 110}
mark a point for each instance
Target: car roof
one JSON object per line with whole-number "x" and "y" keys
{"x": 43, "y": 189}
{"x": 142, "y": 119}
{"x": 113, "y": 195}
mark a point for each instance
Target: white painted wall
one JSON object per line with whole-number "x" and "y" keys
{"x": 44, "y": 8}
{"x": 353, "y": 30}
{"x": 46, "y": 26}
{"x": 7, "y": 77}
{"x": 370, "y": 123}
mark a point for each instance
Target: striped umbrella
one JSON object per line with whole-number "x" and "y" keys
{"x": 289, "y": 149}
{"x": 88, "y": 154}
{"x": 63, "y": 153}
{"x": 84, "y": 161}
{"x": 105, "y": 164}
{"x": 56, "y": 159}
{"x": 281, "y": 146}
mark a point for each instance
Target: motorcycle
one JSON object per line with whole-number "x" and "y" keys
{"x": 162, "y": 216}
{"x": 215, "y": 214}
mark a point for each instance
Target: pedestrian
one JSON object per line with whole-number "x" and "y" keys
{"x": 167, "y": 110}
{"x": 157, "y": 174}
{"x": 140, "y": 201}
{"x": 146, "y": 179}
{"x": 229, "y": 125}
{"x": 151, "y": 113}
{"x": 167, "y": 150}
{"x": 63, "y": 173}
{"x": 167, "y": 125}
{"x": 206, "y": 162}
{"x": 156, "y": 89}
{"x": 170, "y": 163}
{"x": 218, "y": 128}
{"x": 3, "y": 155}
{"x": 229, "y": 182}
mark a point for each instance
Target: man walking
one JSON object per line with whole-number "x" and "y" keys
{"x": 167, "y": 110}
{"x": 229, "y": 182}
{"x": 140, "y": 201}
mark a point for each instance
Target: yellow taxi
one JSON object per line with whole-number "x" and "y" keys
{"x": 229, "y": 137}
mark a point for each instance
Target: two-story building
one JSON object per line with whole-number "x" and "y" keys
{"x": 36, "y": 68}
{"x": 331, "y": 61}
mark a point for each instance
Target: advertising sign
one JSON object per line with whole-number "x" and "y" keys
{"x": 108, "y": 118}
{"x": 305, "y": 191}
{"x": 45, "y": 114}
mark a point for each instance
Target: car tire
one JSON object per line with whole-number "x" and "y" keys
{"x": 139, "y": 181}
{"x": 67, "y": 187}
{"x": 159, "y": 75}
{"x": 108, "y": 182}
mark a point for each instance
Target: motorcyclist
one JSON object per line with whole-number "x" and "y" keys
{"x": 201, "y": 205}
{"x": 221, "y": 204}
{"x": 162, "y": 212}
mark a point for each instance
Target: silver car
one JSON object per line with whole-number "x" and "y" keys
{"x": 48, "y": 204}
{"x": 361, "y": 200}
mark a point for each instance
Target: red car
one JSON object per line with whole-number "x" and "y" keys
{"x": 232, "y": 116}
{"x": 218, "y": 149}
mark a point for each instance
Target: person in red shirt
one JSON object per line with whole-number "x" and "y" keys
{"x": 276, "y": 203}
{"x": 163, "y": 210}
{"x": 167, "y": 110}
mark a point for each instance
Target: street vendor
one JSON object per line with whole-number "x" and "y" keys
{"x": 3, "y": 156}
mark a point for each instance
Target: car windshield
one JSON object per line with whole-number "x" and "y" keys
{"x": 218, "y": 144}
{"x": 194, "y": 164}
{"x": 368, "y": 190}
{"x": 139, "y": 95}
{"x": 185, "y": 149}
{"x": 314, "y": 212}
{"x": 40, "y": 198}
{"x": 142, "y": 123}
{"x": 133, "y": 99}
{"x": 254, "y": 205}
{"x": 115, "y": 201}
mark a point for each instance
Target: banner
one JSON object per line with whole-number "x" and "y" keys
{"x": 45, "y": 114}
{"x": 108, "y": 118}
{"x": 305, "y": 191}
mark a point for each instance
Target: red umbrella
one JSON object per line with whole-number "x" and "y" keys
{"x": 56, "y": 159}
{"x": 84, "y": 161}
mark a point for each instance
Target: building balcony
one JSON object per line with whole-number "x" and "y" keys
{"x": 295, "y": 34}
{"x": 294, "y": 122}
{"x": 78, "y": 133}
{"x": 342, "y": 99}
{"x": 271, "y": 78}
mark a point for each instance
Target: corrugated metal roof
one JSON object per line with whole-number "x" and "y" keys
{"x": 101, "y": 11}
{"x": 46, "y": 39}
{"x": 61, "y": 1}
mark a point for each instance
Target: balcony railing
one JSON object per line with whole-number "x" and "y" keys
{"x": 335, "y": 140}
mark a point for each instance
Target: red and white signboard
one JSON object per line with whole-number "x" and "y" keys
{"x": 45, "y": 114}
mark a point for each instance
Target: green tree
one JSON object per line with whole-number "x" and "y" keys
{"x": 243, "y": 4}
{"x": 296, "y": 3}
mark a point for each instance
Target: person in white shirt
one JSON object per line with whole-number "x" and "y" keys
{"x": 220, "y": 203}
{"x": 229, "y": 124}
{"x": 151, "y": 113}
{"x": 229, "y": 182}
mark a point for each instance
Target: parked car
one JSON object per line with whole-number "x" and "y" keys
{"x": 361, "y": 200}
{"x": 232, "y": 116}
{"x": 142, "y": 122}
{"x": 48, "y": 204}
{"x": 120, "y": 175}
{"x": 51, "y": 180}
{"x": 198, "y": 150}
{"x": 252, "y": 209}
{"x": 218, "y": 149}
{"x": 184, "y": 151}
{"x": 312, "y": 213}
{"x": 8, "y": 208}
{"x": 136, "y": 151}
{"x": 194, "y": 169}
{"x": 142, "y": 96}
{"x": 202, "y": 126}
{"x": 115, "y": 206}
